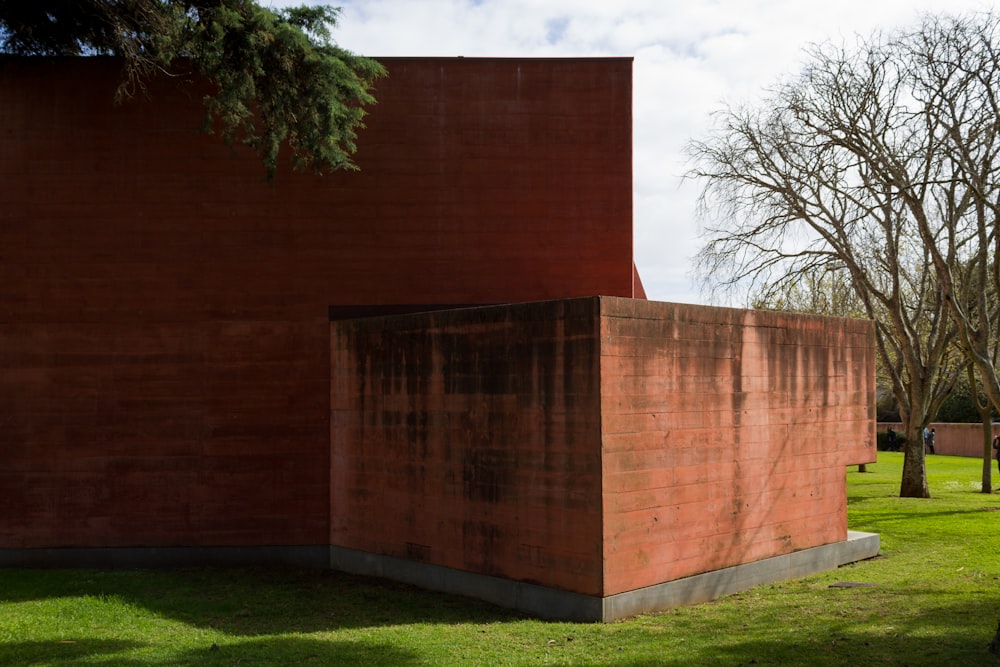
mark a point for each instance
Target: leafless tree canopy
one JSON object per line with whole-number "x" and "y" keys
{"x": 879, "y": 163}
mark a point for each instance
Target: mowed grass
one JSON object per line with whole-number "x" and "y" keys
{"x": 931, "y": 598}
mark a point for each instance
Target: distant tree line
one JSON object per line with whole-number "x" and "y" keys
{"x": 960, "y": 406}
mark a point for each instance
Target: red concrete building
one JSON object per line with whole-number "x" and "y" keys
{"x": 165, "y": 336}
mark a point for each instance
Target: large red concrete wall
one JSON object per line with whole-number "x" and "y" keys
{"x": 596, "y": 445}
{"x": 725, "y": 435}
{"x": 164, "y": 338}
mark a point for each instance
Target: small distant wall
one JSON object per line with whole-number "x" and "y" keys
{"x": 954, "y": 439}
{"x": 598, "y": 445}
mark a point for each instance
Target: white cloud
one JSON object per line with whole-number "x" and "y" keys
{"x": 690, "y": 58}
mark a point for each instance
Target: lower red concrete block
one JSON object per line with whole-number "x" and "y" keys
{"x": 654, "y": 442}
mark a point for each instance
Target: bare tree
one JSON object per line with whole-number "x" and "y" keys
{"x": 955, "y": 82}
{"x": 814, "y": 178}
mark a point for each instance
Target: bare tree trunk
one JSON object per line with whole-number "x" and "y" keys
{"x": 914, "y": 482}
{"x": 985, "y": 410}
{"x": 987, "y": 486}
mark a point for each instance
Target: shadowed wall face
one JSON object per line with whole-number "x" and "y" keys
{"x": 164, "y": 332}
{"x": 596, "y": 445}
{"x": 471, "y": 439}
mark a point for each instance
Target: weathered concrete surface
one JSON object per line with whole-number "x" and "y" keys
{"x": 471, "y": 439}
{"x": 725, "y": 434}
{"x": 598, "y": 446}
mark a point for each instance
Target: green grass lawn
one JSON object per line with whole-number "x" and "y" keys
{"x": 931, "y": 598}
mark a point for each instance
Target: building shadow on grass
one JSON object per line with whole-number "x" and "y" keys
{"x": 256, "y": 651}
{"x": 64, "y": 652}
{"x": 256, "y": 601}
{"x": 255, "y": 612}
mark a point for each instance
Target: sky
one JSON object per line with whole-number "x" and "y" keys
{"x": 691, "y": 58}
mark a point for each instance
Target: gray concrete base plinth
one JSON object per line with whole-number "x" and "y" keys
{"x": 713, "y": 585}
{"x": 564, "y": 605}
{"x": 532, "y": 599}
{"x": 316, "y": 556}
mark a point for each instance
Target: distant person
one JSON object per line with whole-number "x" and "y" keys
{"x": 929, "y": 439}
{"x": 996, "y": 450}
{"x": 894, "y": 447}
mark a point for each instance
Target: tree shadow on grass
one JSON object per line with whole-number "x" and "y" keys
{"x": 897, "y": 515}
{"x": 296, "y": 651}
{"x": 950, "y": 634}
{"x": 846, "y": 649}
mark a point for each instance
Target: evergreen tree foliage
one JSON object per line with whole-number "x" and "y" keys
{"x": 277, "y": 77}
